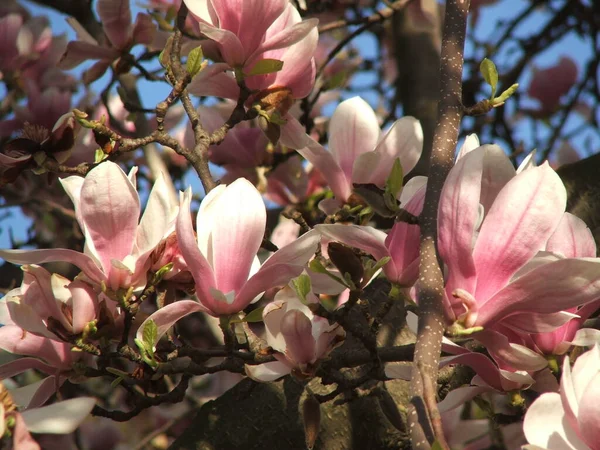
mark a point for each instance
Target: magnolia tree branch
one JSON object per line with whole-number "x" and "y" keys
{"x": 423, "y": 409}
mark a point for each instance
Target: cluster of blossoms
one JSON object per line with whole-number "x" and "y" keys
{"x": 521, "y": 273}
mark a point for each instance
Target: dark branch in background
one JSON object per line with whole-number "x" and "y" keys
{"x": 417, "y": 53}
{"x": 423, "y": 409}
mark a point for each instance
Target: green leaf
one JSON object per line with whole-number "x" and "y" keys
{"x": 437, "y": 446}
{"x": 302, "y": 286}
{"x": 160, "y": 273}
{"x": 194, "y": 61}
{"x": 150, "y": 336}
{"x": 316, "y": 266}
{"x": 393, "y": 184}
{"x": 265, "y": 66}
{"x": 490, "y": 74}
{"x": 370, "y": 271}
{"x": 499, "y": 101}
{"x": 99, "y": 156}
{"x": 253, "y": 316}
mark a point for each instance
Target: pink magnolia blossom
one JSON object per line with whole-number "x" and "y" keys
{"x": 250, "y": 31}
{"x": 55, "y": 359}
{"x": 491, "y": 224}
{"x": 401, "y": 245}
{"x": 222, "y": 259}
{"x": 358, "y": 154}
{"x": 47, "y": 304}
{"x": 59, "y": 418}
{"x": 44, "y": 108}
{"x": 117, "y": 248}
{"x": 549, "y": 85}
{"x": 115, "y": 16}
{"x": 298, "y": 337}
{"x": 244, "y": 146}
{"x": 22, "y": 41}
{"x": 569, "y": 420}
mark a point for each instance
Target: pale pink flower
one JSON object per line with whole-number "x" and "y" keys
{"x": 358, "y": 153}
{"x": 569, "y": 420}
{"x": 253, "y": 30}
{"x": 492, "y": 223}
{"x": 121, "y": 34}
{"x": 117, "y": 248}
{"x": 222, "y": 259}
{"x": 549, "y": 85}
{"x": 299, "y": 337}
{"x": 50, "y": 305}
{"x": 44, "y": 108}
{"x": 22, "y": 41}
{"x": 59, "y": 418}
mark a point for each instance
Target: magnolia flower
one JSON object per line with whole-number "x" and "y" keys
{"x": 549, "y": 85}
{"x": 569, "y": 420}
{"x": 401, "y": 245}
{"x": 300, "y": 339}
{"x": 117, "y": 249}
{"x": 222, "y": 259}
{"x": 115, "y": 17}
{"x": 491, "y": 223}
{"x": 358, "y": 154}
{"x": 50, "y": 305}
{"x": 250, "y": 32}
{"x": 48, "y": 356}
{"x": 59, "y": 418}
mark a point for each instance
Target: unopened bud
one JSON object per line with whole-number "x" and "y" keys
{"x": 311, "y": 417}
{"x": 344, "y": 258}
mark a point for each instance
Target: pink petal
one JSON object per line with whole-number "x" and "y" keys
{"x": 84, "y": 304}
{"x": 20, "y": 365}
{"x": 545, "y": 425}
{"x": 196, "y": 262}
{"x": 231, "y": 48}
{"x": 589, "y": 412}
{"x": 403, "y": 140}
{"x": 215, "y": 81}
{"x": 274, "y": 275}
{"x": 561, "y": 284}
{"x": 510, "y": 355}
{"x": 110, "y": 209}
{"x": 158, "y": 218}
{"x": 115, "y": 17}
{"x": 403, "y": 243}
{"x": 143, "y": 29}
{"x": 293, "y": 135}
{"x": 353, "y": 130}
{"x": 459, "y": 396}
{"x": 369, "y": 239}
{"x": 234, "y": 223}
{"x": 22, "y": 440}
{"x": 270, "y": 371}
{"x": 286, "y": 37}
{"x": 483, "y": 366}
{"x": 59, "y": 418}
{"x": 297, "y": 253}
{"x": 530, "y": 322}
{"x": 79, "y": 51}
{"x": 572, "y": 238}
{"x": 522, "y": 218}
{"x": 457, "y": 218}
{"x": 296, "y": 329}
{"x": 471, "y": 143}
{"x": 166, "y": 317}
{"x": 256, "y": 17}
{"x": 80, "y": 260}
{"x": 325, "y": 162}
